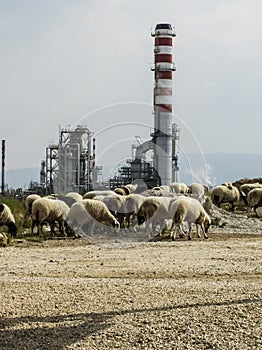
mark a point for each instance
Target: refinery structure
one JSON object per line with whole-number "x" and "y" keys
{"x": 70, "y": 165}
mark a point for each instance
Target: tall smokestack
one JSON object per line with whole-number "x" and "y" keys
{"x": 163, "y": 69}
{"x": 3, "y": 167}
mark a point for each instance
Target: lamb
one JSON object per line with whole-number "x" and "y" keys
{"x": 51, "y": 211}
{"x": 254, "y": 199}
{"x": 191, "y": 211}
{"x": 88, "y": 213}
{"x": 154, "y": 210}
{"x": 179, "y": 187}
{"x": 225, "y": 194}
{"x": 29, "y": 201}
{"x": 7, "y": 219}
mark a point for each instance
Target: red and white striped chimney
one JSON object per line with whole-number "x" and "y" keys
{"x": 163, "y": 69}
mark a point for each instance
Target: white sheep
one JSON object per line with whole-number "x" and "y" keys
{"x": 75, "y": 195}
{"x": 7, "y": 219}
{"x": 132, "y": 187}
{"x": 179, "y": 187}
{"x": 92, "y": 194}
{"x": 29, "y": 201}
{"x": 254, "y": 199}
{"x": 51, "y": 211}
{"x": 153, "y": 211}
{"x": 197, "y": 189}
{"x": 115, "y": 204}
{"x": 131, "y": 206}
{"x": 247, "y": 187}
{"x": 226, "y": 193}
{"x": 191, "y": 211}
{"x": 88, "y": 213}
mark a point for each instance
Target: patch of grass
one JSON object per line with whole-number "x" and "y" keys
{"x": 19, "y": 211}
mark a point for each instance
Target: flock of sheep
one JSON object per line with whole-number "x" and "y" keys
{"x": 173, "y": 209}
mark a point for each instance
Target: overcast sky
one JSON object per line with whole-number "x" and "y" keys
{"x": 65, "y": 62}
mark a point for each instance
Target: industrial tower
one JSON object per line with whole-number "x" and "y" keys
{"x": 164, "y": 139}
{"x": 164, "y": 132}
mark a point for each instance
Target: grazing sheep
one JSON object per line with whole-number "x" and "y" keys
{"x": 75, "y": 195}
{"x": 227, "y": 184}
{"x": 7, "y": 219}
{"x": 92, "y": 194}
{"x": 153, "y": 211}
{"x": 51, "y": 211}
{"x": 163, "y": 188}
{"x": 179, "y": 187}
{"x": 69, "y": 201}
{"x": 196, "y": 188}
{"x": 115, "y": 204}
{"x": 225, "y": 194}
{"x": 29, "y": 201}
{"x": 132, "y": 188}
{"x": 88, "y": 214}
{"x": 246, "y": 188}
{"x": 131, "y": 206}
{"x": 123, "y": 191}
{"x": 191, "y": 211}
{"x": 254, "y": 199}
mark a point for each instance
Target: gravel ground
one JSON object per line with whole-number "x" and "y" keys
{"x": 199, "y": 294}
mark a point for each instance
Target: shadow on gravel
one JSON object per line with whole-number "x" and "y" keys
{"x": 57, "y": 332}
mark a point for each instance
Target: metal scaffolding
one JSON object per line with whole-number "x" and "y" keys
{"x": 70, "y": 164}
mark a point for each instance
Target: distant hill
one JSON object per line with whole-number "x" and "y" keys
{"x": 16, "y": 178}
{"x": 220, "y": 167}
{"x": 226, "y": 167}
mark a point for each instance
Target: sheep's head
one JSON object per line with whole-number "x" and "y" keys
{"x": 12, "y": 229}
{"x": 140, "y": 219}
{"x": 116, "y": 224}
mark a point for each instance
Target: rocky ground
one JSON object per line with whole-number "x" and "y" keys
{"x": 125, "y": 294}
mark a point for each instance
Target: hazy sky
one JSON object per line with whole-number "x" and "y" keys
{"x": 88, "y": 62}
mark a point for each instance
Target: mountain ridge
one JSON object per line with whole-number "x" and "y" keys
{"x": 219, "y": 167}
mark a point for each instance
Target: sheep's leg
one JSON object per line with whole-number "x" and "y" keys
{"x": 33, "y": 226}
{"x": 189, "y": 232}
{"x": 203, "y": 230}
{"x": 181, "y": 232}
{"x": 173, "y": 230}
{"x": 197, "y": 230}
{"x": 52, "y": 227}
{"x": 148, "y": 230}
{"x": 62, "y": 228}
{"x": 40, "y": 229}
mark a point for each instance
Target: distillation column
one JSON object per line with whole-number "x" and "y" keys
{"x": 163, "y": 69}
